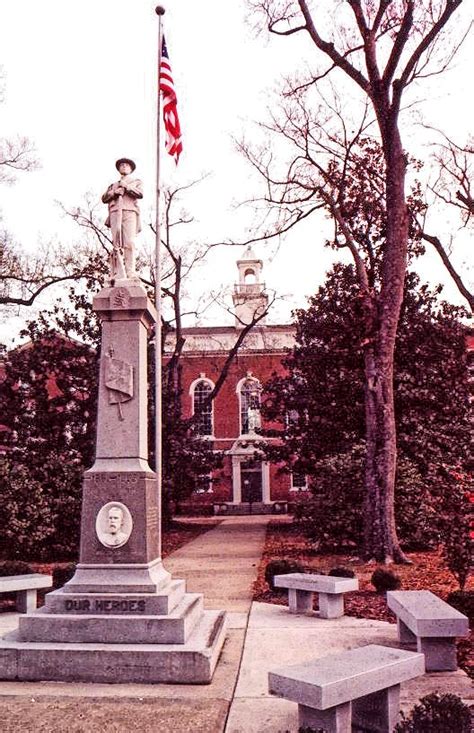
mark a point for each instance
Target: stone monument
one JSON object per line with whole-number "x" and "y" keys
{"x": 121, "y": 618}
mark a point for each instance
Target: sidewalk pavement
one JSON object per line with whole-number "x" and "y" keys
{"x": 221, "y": 564}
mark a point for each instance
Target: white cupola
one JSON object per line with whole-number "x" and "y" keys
{"x": 250, "y": 298}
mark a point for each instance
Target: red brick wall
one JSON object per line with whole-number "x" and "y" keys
{"x": 226, "y": 408}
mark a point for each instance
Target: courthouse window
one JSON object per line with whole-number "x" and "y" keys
{"x": 298, "y": 481}
{"x": 249, "y": 405}
{"x": 202, "y": 408}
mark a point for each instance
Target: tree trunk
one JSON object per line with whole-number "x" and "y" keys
{"x": 381, "y": 541}
{"x": 380, "y": 535}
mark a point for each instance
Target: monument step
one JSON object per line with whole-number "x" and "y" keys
{"x": 173, "y": 628}
{"x": 134, "y": 577}
{"x": 141, "y": 604}
{"x": 190, "y": 663}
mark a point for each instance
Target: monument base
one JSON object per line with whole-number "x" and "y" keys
{"x": 190, "y": 663}
{"x": 121, "y": 617}
{"x": 165, "y": 636}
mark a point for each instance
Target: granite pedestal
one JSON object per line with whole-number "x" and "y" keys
{"x": 121, "y": 618}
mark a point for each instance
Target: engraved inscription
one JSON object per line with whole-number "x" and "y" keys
{"x": 152, "y": 517}
{"x": 105, "y": 606}
{"x": 114, "y": 480}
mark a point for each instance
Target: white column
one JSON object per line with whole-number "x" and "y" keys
{"x": 236, "y": 485}
{"x": 266, "y": 482}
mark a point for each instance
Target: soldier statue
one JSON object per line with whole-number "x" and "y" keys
{"x": 123, "y": 220}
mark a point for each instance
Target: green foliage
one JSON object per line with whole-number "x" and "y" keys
{"x": 383, "y": 579}
{"x": 50, "y": 394}
{"x": 14, "y": 567}
{"x": 342, "y": 572}
{"x": 455, "y": 526}
{"x": 416, "y": 507}
{"x": 49, "y": 397}
{"x": 332, "y": 516}
{"x": 25, "y": 516}
{"x": 437, "y": 713}
{"x": 321, "y": 410}
{"x": 281, "y": 567}
{"x": 63, "y": 573}
{"x": 463, "y": 601}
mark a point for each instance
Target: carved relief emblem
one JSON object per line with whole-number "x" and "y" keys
{"x": 120, "y": 298}
{"x": 113, "y": 524}
{"x": 118, "y": 380}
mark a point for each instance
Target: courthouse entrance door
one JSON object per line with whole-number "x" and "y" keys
{"x": 251, "y": 481}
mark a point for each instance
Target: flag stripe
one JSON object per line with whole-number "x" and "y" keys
{"x": 174, "y": 145}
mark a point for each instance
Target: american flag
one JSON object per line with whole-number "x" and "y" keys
{"x": 174, "y": 146}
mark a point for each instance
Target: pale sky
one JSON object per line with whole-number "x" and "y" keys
{"x": 81, "y": 83}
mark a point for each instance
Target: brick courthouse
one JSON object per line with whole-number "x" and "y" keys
{"x": 246, "y": 482}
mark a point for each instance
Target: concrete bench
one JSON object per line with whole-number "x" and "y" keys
{"x": 25, "y": 587}
{"x": 302, "y": 586}
{"x": 355, "y": 687}
{"x": 432, "y": 623}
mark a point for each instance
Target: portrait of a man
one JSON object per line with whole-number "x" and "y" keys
{"x": 113, "y": 525}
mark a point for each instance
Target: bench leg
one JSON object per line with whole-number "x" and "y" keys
{"x": 300, "y": 601}
{"x": 331, "y": 605}
{"x": 26, "y": 600}
{"x": 405, "y": 635}
{"x": 440, "y": 653}
{"x": 378, "y": 711}
{"x": 333, "y": 720}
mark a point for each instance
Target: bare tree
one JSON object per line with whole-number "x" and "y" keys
{"x": 454, "y": 188}
{"x": 24, "y": 277}
{"x": 25, "y": 274}
{"x": 180, "y": 259}
{"x": 17, "y": 154}
{"x": 381, "y": 47}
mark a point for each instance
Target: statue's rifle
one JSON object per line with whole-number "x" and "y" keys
{"x": 119, "y": 222}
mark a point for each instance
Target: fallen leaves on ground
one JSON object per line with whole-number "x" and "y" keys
{"x": 428, "y": 572}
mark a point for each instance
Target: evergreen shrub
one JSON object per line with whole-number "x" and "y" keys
{"x": 63, "y": 573}
{"x": 332, "y": 517}
{"x": 281, "y": 567}
{"x": 383, "y": 580}
{"x": 437, "y": 713}
{"x": 463, "y": 601}
{"x": 342, "y": 572}
{"x": 14, "y": 567}
{"x": 455, "y": 526}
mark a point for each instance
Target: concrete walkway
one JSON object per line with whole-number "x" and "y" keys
{"x": 222, "y": 564}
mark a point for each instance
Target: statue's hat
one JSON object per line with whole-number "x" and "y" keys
{"x": 125, "y": 160}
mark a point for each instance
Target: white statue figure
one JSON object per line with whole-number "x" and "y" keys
{"x": 123, "y": 220}
{"x": 254, "y": 422}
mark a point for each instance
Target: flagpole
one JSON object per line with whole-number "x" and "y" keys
{"x": 158, "y": 395}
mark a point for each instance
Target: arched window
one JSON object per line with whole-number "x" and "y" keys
{"x": 250, "y": 389}
{"x": 250, "y": 277}
{"x": 202, "y": 407}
